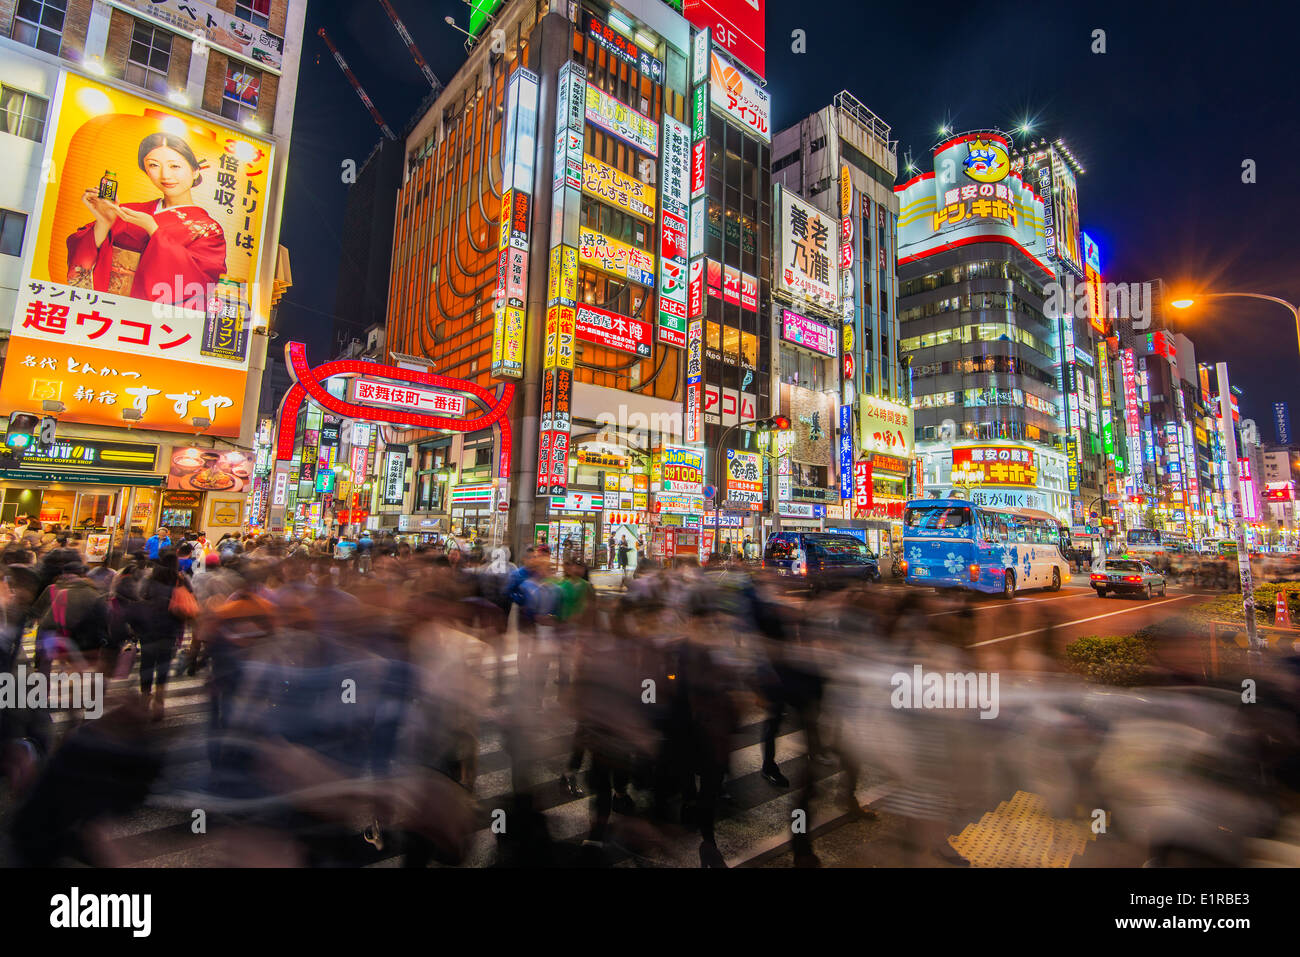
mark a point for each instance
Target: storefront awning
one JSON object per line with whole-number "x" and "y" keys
{"x": 51, "y": 476}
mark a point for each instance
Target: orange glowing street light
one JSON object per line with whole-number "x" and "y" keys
{"x": 1187, "y": 303}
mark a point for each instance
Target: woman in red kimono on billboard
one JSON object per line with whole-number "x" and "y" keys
{"x": 164, "y": 250}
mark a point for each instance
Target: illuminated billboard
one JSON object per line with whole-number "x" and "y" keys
{"x": 737, "y": 26}
{"x": 617, "y": 188}
{"x": 885, "y": 426}
{"x": 1092, "y": 274}
{"x": 972, "y": 195}
{"x": 743, "y": 100}
{"x": 612, "y": 330}
{"x": 620, "y": 119}
{"x": 599, "y": 251}
{"x": 809, "y": 333}
{"x": 139, "y": 288}
{"x": 519, "y": 147}
{"x": 994, "y": 465}
{"x": 1065, "y": 200}
{"x": 480, "y": 12}
{"x": 805, "y": 236}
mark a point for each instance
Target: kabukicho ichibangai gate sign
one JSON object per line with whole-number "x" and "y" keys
{"x": 404, "y": 398}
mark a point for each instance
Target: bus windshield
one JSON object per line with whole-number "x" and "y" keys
{"x": 938, "y": 518}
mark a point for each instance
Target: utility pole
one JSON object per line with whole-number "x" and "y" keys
{"x": 1229, "y": 438}
{"x": 356, "y": 84}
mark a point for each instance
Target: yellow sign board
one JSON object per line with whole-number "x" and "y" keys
{"x": 614, "y": 186}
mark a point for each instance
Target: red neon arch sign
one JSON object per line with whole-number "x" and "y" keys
{"x": 307, "y": 383}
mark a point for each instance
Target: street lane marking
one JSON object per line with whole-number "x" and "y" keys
{"x": 1081, "y": 621}
{"x": 1017, "y": 601}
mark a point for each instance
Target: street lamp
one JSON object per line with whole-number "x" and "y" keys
{"x": 1188, "y": 302}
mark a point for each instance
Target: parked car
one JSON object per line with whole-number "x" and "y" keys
{"x": 1127, "y": 576}
{"x": 829, "y": 559}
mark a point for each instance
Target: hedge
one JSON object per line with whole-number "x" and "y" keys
{"x": 1112, "y": 659}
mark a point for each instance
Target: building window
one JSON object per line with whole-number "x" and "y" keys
{"x": 802, "y": 369}
{"x": 254, "y": 11}
{"x": 22, "y": 114}
{"x": 150, "y": 57}
{"x": 788, "y": 160}
{"x": 242, "y": 91}
{"x": 817, "y": 144}
{"x": 39, "y": 23}
{"x": 12, "y": 227}
{"x": 432, "y": 477}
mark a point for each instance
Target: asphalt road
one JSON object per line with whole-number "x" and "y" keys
{"x": 1071, "y": 613}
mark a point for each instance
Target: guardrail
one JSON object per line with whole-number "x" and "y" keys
{"x": 1273, "y": 636}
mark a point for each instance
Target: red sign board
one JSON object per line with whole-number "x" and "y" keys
{"x": 736, "y": 25}
{"x": 862, "y": 484}
{"x": 699, "y": 164}
{"x": 731, "y": 285}
{"x": 695, "y": 289}
{"x": 625, "y": 333}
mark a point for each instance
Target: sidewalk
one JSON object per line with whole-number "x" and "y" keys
{"x": 603, "y": 579}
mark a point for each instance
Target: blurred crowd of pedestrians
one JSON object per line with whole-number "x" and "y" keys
{"x": 350, "y": 693}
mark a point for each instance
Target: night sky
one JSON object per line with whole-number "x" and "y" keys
{"x": 1161, "y": 122}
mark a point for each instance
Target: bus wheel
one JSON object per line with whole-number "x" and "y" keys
{"x": 1009, "y": 585}
{"x": 1056, "y": 579}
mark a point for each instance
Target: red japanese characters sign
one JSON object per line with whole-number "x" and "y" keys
{"x": 367, "y": 391}
{"x": 308, "y": 386}
{"x": 862, "y": 487}
{"x": 625, "y": 333}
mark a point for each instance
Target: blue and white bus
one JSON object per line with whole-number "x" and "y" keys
{"x": 953, "y": 543}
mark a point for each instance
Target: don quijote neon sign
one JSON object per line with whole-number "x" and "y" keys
{"x": 308, "y": 384}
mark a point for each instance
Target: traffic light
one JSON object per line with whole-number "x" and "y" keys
{"x": 777, "y": 423}
{"x": 19, "y": 437}
{"x": 22, "y": 430}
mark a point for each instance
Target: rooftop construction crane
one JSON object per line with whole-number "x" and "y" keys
{"x": 410, "y": 45}
{"x": 347, "y": 71}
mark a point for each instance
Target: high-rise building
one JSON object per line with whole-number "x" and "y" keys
{"x": 551, "y": 235}
{"x": 145, "y": 149}
{"x": 973, "y": 271}
{"x": 843, "y": 158}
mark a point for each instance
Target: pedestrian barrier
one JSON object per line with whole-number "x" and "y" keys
{"x": 1273, "y": 636}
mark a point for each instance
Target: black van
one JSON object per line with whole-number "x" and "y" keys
{"x": 831, "y": 558}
